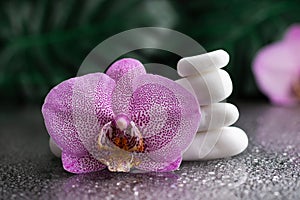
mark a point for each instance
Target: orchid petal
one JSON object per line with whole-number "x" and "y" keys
{"x": 65, "y": 110}
{"x": 124, "y": 72}
{"x": 167, "y": 115}
{"x": 92, "y": 108}
{"x": 121, "y": 67}
{"x": 293, "y": 33}
{"x": 276, "y": 69}
{"x": 57, "y": 112}
{"x": 81, "y": 164}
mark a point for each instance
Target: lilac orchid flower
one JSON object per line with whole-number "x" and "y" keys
{"x": 123, "y": 119}
{"x": 277, "y": 69}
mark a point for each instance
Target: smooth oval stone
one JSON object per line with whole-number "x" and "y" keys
{"x": 202, "y": 63}
{"x": 219, "y": 143}
{"x": 209, "y": 87}
{"x": 218, "y": 115}
{"x": 54, "y": 148}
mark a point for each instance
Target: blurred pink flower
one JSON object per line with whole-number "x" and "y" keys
{"x": 276, "y": 68}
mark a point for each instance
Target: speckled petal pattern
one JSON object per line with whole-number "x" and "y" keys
{"x": 81, "y": 164}
{"x": 92, "y": 108}
{"x": 68, "y": 108}
{"x": 57, "y": 112}
{"x": 157, "y": 112}
{"x": 121, "y": 67}
{"x": 167, "y": 114}
{"x": 123, "y": 90}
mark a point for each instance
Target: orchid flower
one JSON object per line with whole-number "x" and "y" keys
{"x": 276, "y": 68}
{"x": 121, "y": 120}
{"x": 127, "y": 119}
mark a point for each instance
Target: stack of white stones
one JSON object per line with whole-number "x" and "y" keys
{"x": 203, "y": 76}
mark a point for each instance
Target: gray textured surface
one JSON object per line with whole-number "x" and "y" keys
{"x": 268, "y": 169}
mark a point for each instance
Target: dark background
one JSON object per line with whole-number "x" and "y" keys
{"x": 44, "y": 42}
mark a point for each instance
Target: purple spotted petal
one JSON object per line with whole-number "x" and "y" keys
{"x": 81, "y": 164}
{"x": 167, "y": 115}
{"x": 92, "y": 108}
{"x": 124, "y": 72}
{"x": 276, "y": 68}
{"x": 57, "y": 112}
{"x": 65, "y": 111}
{"x": 121, "y": 67}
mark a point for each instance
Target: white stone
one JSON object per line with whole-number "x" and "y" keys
{"x": 202, "y": 63}
{"x": 218, "y": 115}
{"x": 54, "y": 148}
{"x": 218, "y": 143}
{"x": 210, "y": 87}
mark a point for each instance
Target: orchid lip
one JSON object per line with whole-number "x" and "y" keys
{"x": 120, "y": 139}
